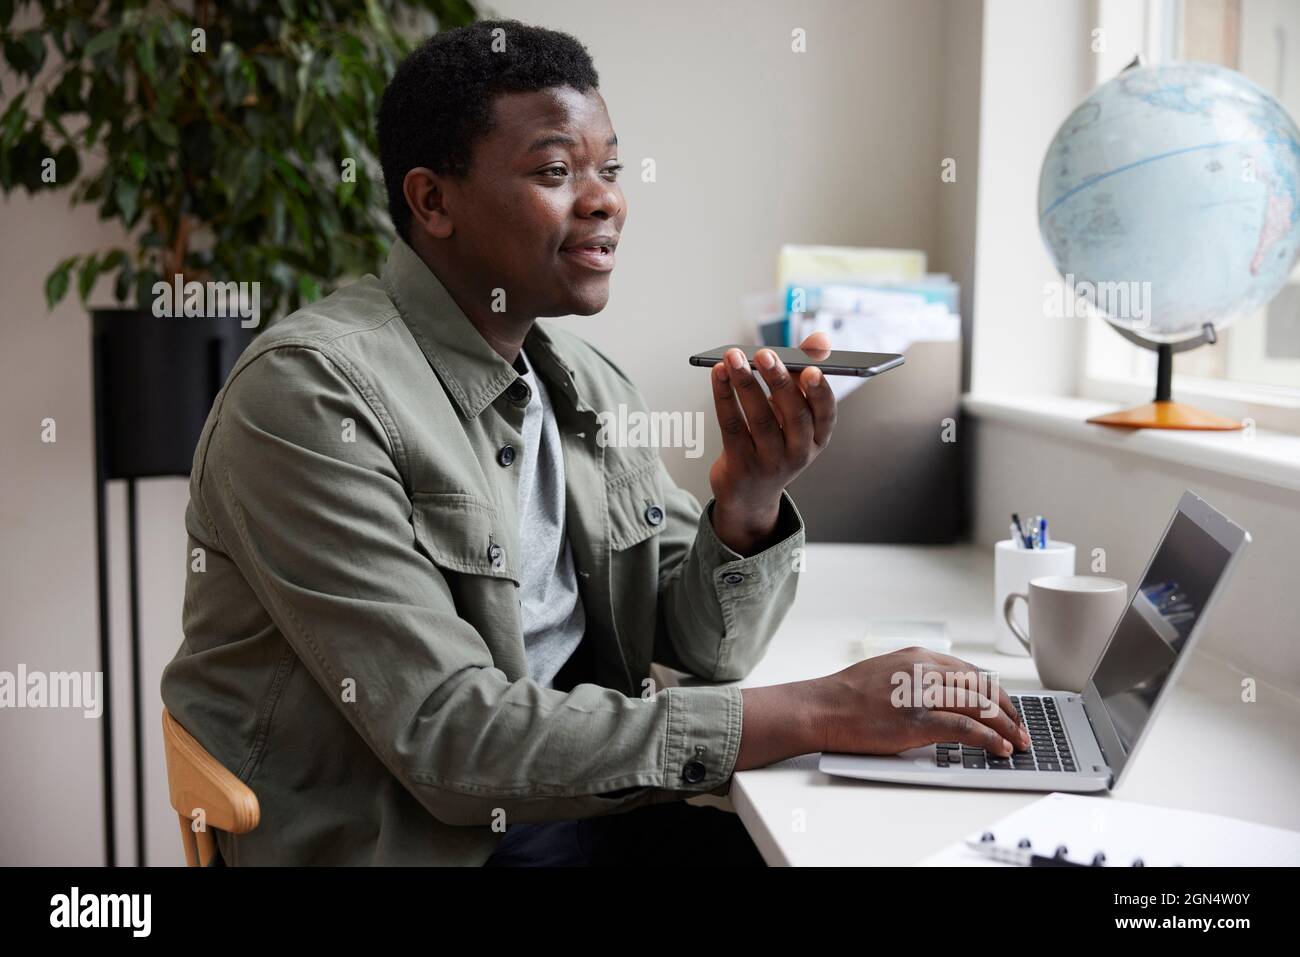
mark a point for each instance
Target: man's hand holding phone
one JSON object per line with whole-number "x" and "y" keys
{"x": 766, "y": 441}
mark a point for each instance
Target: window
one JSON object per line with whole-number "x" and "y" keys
{"x": 1254, "y": 368}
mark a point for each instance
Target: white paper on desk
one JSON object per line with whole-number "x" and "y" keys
{"x": 1124, "y": 830}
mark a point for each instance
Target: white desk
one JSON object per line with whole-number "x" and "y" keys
{"x": 1208, "y": 751}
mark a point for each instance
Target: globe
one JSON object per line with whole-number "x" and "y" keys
{"x": 1169, "y": 198}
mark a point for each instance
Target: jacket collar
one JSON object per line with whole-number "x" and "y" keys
{"x": 472, "y": 372}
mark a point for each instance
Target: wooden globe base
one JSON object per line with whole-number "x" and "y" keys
{"x": 1167, "y": 415}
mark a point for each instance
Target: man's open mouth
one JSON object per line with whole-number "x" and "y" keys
{"x": 596, "y": 256}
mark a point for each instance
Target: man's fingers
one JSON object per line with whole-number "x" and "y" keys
{"x": 735, "y": 434}
{"x": 955, "y": 666}
{"x": 764, "y": 429}
{"x": 982, "y": 709}
{"x": 791, "y": 407}
{"x": 822, "y": 402}
{"x": 949, "y": 726}
{"x": 817, "y": 342}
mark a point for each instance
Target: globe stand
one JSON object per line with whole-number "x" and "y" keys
{"x": 1164, "y": 413}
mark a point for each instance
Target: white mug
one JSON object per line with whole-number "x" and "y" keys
{"x": 1012, "y": 570}
{"x": 1070, "y": 619}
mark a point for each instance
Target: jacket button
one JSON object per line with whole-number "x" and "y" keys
{"x": 654, "y": 515}
{"x": 496, "y": 555}
{"x": 518, "y": 392}
{"x": 693, "y": 772}
{"x": 506, "y": 456}
{"x": 733, "y": 578}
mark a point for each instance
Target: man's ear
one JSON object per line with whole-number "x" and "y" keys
{"x": 423, "y": 189}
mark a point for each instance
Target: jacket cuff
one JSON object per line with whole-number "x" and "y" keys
{"x": 704, "y": 728}
{"x": 741, "y": 575}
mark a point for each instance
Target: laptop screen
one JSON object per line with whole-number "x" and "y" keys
{"x": 1155, "y": 627}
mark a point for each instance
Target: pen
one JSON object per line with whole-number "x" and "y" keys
{"x": 1042, "y": 530}
{"x": 1015, "y": 537}
{"x": 1019, "y": 529}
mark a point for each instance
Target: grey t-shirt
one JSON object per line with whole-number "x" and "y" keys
{"x": 550, "y": 606}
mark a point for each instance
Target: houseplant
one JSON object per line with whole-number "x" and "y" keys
{"x": 234, "y": 141}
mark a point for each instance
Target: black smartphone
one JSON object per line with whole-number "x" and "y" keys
{"x": 830, "y": 361}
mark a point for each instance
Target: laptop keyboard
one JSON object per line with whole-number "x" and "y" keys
{"x": 1049, "y": 749}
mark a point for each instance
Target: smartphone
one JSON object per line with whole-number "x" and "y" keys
{"x": 830, "y": 361}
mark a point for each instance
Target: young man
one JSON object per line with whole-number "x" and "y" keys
{"x": 430, "y": 593}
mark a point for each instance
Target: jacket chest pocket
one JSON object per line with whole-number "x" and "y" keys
{"x": 463, "y": 533}
{"x": 637, "y": 508}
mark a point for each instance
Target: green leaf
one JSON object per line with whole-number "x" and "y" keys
{"x": 66, "y": 97}
{"x": 18, "y": 56}
{"x": 87, "y": 276}
{"x": 308, "y": 288}
{"x": 249, "y": 179}
{"x": 100, "y": 42}
{"x": 15, "y": 119}
{"x": 34, "y": 41}
{"x": 145, "y": 57}
{"x": 68, "y": 165}
{"x": 126, "y": 194}
{"x": 56, "y": 284}
{"x": 125, "y": 280}
{"x": 290, "y": 174}
{"x": 164, "y": 131}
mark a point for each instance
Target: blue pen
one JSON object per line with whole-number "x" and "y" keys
{"x": 1042, "y": 531}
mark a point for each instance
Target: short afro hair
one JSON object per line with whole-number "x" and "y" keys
{"x": 439, "y": 101}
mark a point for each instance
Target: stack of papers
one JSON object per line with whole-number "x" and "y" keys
{"x": 865, "y": 300}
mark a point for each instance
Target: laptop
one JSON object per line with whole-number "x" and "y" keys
{"x": 1084, "y": 742}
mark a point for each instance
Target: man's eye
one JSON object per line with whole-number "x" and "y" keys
{"x": 554, "y": 169}
{"x": 615, "y": 170}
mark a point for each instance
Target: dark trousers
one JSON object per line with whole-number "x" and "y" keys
{"x": 672, "y": 833}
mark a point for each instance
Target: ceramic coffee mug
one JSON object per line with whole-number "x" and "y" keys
{"x": 1013, "y": 569}
{"x": 1070, "y": 619}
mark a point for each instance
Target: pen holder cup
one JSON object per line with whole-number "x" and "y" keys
{"x": 1013, "y": 568}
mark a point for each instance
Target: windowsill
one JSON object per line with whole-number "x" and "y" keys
{"x": 1268, "y": 406}
{"x": 1269, "y": 457}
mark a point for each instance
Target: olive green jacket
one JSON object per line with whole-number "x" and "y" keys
{"x": 353, "y": 648}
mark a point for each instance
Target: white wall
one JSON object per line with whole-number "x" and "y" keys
{"x": 755, "y": 146}
{"x": 1037, "y": 65}
{"x": 50, "y": 794}
{"x": 960, "y": 140}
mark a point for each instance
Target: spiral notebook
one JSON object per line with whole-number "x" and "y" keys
{"x": 1125, "y": 832}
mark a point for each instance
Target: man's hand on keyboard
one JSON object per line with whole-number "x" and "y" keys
{"x": 912, "y": 698}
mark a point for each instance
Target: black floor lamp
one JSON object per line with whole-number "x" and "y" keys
{"x": 154, "y": 382}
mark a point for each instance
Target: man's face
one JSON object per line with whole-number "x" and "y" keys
{"x": 541, "y": 187}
